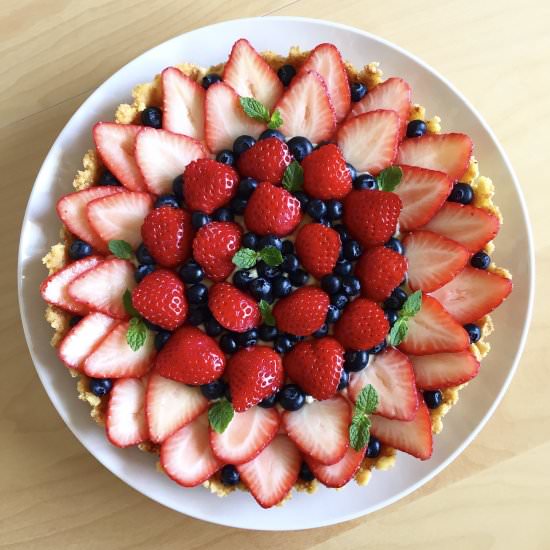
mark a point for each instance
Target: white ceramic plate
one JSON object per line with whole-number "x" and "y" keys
{"x": 208, "y": 46}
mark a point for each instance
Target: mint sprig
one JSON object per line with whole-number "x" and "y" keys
{"x": 293, "y": 178}
{"x": 410, "y": 308}
{"x": 359, "y": 430}
{"x": 136, "y": 335}
{"x": 121, "y": 249}
{"x": 220, "y": 415}
{"x": 256, "y": 110}
{"x": 267, "y": 313}
{"x": 245, "y": 258}
{"x": 389, "y": 178}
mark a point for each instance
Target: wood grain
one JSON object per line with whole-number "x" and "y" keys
{"x": 54, "y": 494}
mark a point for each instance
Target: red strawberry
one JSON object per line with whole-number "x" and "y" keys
{"x": 225, "y": 120}
{"x": 168, "y": 234}
{"x": 271, "y": 475}
{"x": 125, "y": 422}
{"x": 316, "y": 366}
{"x": 473, "y": 293}
{"x": 160, "y": 298}
{"x": 413, "y": 436}
{"x": 232, "y": 308}
{"x": 326, "y": 175}
{"x": 306, "y": 108}
{"x": 380, "y": 270}
{"x": 214, "y": 246}
{"x": 73, "y": 213}
{"x": 170, "y": 405}
{"x": 337, "y": 475}
{"x": 119, "y": 216}
{"x": 190, "y": 356}
{"x": 54, "y": 289}
{"x": 102, "y": 287}
{"x": 392, "y": 376}
{"x": 449, "y": 153}
{"x": 248, "y": 433}
{"x": 362, "y": 325}
{"x": 318, "y": 248}
{"x": 115, "y": 144}
{"x": 444, "y": 370}
{"x": 433, "y": 260}
{"x": 302, "y": 312}
{"x": 272, "y": 211}
{"x": 320, "y": 429}
{"x": 186, "y": 456}
{"x": 422, "y": 193}
{"x": 266, "y": 160}
{"x": 183, "y": 104}
{"x": 369, "y": 141}
{"x": 254, "y": 374}
{"x": 433, "y": 330}
{"x": 468, "y": 225}
{"x": 114, "y": 358}
{"x": 162, "y": 155}
{"x": 209, "y": 185}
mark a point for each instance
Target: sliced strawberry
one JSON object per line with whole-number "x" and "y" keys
{"x": 183, "y": 104}
{"x": 115, "y": 144}
{"x": 125, "y": 421}
{"x": 433, "y": 330}
{"x": 162, "y": 155}
{"x": 337, "y": 475}
{"x": 326, "y": 60}
{"x": 433, "y": 260}
{"x": 320, "y": 429}
{"x": 271, "y": 475}
{"x": 422, "y": 193}
{"x": 246, "y": 436}
{"x": 392, "y": 376}
{"x": 369, "y": 141}
{"x": 169, "y": 405}
{"x": 449, "y": 153}
{"x": 249, "y": 74}
{"x": 120, "y": 216}
{"x": 306, "y": 108}
{"x": 102, "y": 287}
{"x": 468, "y": 225}
{"x": 473, "y": 293}
{"x": 54, "y": 289}
{"x": 444, "y": 370}
{"x": 72, "y": 210}
{"x": 413, "y": 437}
{"x": 82, "y": 339}
{"x": 114, "y": 358}
{"x": 186, "y": 456}
{"x": 225, "y": 120}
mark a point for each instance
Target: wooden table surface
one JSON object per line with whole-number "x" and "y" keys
{"x": 53, "y": 494}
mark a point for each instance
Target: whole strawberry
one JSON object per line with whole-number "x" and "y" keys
{"x": 318, "y": 248}
{"x": 380, "y": 270}
{"x": 362, "y": 325}
{"x": 316, "y": 366}
{"x": 208, "y": 185}
{"x": 232, "y": 308}
{"x": 214, "y": 246}
{"x": 266, "y": 160}
{"x": 371, "y": 216}
{"x": 326, "y": 175}
{"x": 254, "y": 373}
{"x": 303, "y": 312}
{"x": 167, "y": 233}
{"x": 272, "y": 211}
{"x": 160, "y": 298}
{"x": 190, "y": 356}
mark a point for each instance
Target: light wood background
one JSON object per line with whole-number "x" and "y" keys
{"x": 53, "y": 494}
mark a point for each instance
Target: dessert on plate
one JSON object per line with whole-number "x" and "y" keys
{"x": 274, "y": 273}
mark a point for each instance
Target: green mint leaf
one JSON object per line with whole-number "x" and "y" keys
{"x": 399, "y": 331}
{"x": 267, "y": 313}
{"x": 220, "y": 415}
{"x": 271, "y": 256}
{"x": 359, "y": 433}
{"x": 412, "y": 306}
{"x": 121, "y": 249}
{"x": 128, "y": 306}
{"x": 390, "y": 178}
{"x": 293, "y": 178}
{"x": 254, "y": 109}
{"x": 136, "y": 334}
{"x": 367, "y": 400}
{"x": 275, "y": 120}
{"x": 245, "y": 258}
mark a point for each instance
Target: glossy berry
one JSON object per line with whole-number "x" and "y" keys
{"x": 352, "y": 250}
{"x": 229, "y": 475}
{"x": 354, "y": 361}
{"x": 331, "y": 284}
{"x": 223, "y": 215}
{"x": 213, "y": 390}
{"x": 416, "y": 128}
{"x": 351, "y": 286}
{"x": 242, "y": 278}
{"x": 177, "y": 187}
{"x": 378, "y": 348}
{"x": 238, "y": 206}
{"x": 267, "y": 333}
{"x": 250, "y": 240}
{"x": 161, "y": 337}
{"x": 248, "y": 338}
{"x": 474, "y": 332}
{"x": 344, "y": 380}
{"x": 287, "y": 247}
{"x": 268, "y": 402}
{"x": 270, "y": 240}
{"x": 339, "y": 299}
{"x": 242, "y": 144}
{"x": 247, "y": 186}
{"x": 197, "y": 294}
{"x": 79, "y": 249}
{"x": 396, "y": 300}
{"x": 461, "y": 193}
{"x": 283, "y": 344}
{"x": 286, "y": 73}
{"x": 291, "y": 397}
{"x": 228, "y": 343}
{"x": 107, "y": 178}
{"x": 151, "y": 116}
{"x": 343, "y": 267}
{"x": 100, "y": 386}
{"x": 433, "y": 399}
{"x": 300, "y": 147}
{"x": 352, "y": 171}
{"x": 357, "y": 91}
{"x": 335, "y": 210}
{"x": 365, "y": 181}
{"x": 142, "y": 271}
{"x": 373, "y": 447}
{"x": 212, "y": 327}
{"x": 226, "y": 157}
{"x": 316, "y": 208}
{"x": 391, "y": 316}
{"x": 265, "y": 161}
{"x": 260, "y": 288}
{"x": 143, "y": 255}
{"x": 199, "y": 219}
{"x": 480, "y": 260}
{"x": 191, "y": 273}
{"x": 281, "y": 287}
{"x": 396, "y": 245}
{"x": 322, "y": 332}
{"x": 305, "y": 473}
{"x": 290, "y": 263}
{"x": 333, "y": 314}
{"x": 298, "y": 277}
{"x": 210, "y": 79}
{"x": 271, "y": 133}
{"x": 167, "y": 200}
{"x": 303, "y": 198}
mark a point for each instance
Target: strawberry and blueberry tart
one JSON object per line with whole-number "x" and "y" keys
{"x": 274, "y": 273}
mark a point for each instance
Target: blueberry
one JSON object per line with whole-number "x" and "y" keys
{"x": 333, "y": 314}
{"x": 260, "y": 288}
{"x": 247, "y": 186}
{"x": 107, "y": 178}
{"x": 303, "y": 198}
{"x": 242, "y": 278}
{"x": 266, "y": 134}
{"x": 290, "y": 263}
{"x": 339, "y": 299}
{"x": 343, "y": 267}
{"x": 248, "y": 338}
{"x": 335, "y": 210}
{"x": 167, "y": 200}
{"x": 300, "y": 147}
{"x": 391, "y": 316}
{"x": 177, "y": 187}
{"x": 357, "y": 91}
{"x": 433, "y": 399}
{"x": 365, "y": 182}
{"x": 352, "y": 171}
{"x": 344, "y": 380}
{"x": 267, "y": 271}
{"x": 197, "y": 294}
{"x": 229, "y": 475}
{"x": 198, "y": 219}
{"x": 161, "y": 337}
{"x": 321, "y": 332}
{"x": 351, "y": 286}
{"x": 143, "y": 255}
{"x": 480, "y": 260}
{"x": 74, "y": 320}
{"x": 461, "y": 193}
{"x": 416, "y": 128}
{"x": 325, "y": 221}
{"x": 378, "y": 348}
{"x": 286, "y": 73}
{"x": 331, "y": 283}
{"x": 270, "y": 240}
{"x": 191, "y": 273}
{"x": 238, "y": 205}
{"x": 142, "y": 271}
{"x": 474, "y": 332}
{"x": 226, "y": 157}
{"x": 228, "y": 343}
{"x": 250, "y": 240}
{"x": 223, "y": 215}
{"x": 283, "y": 344}
{"x": 305, "y": 473}
{"x": 197, "y": 316}
{"x": 373, "y": 447}
{"x": 100, "y": 386}
{"x": 212, "y": 327}
{"x": 152, "y": 116}
{"x": 352, "y": 250}
{"x": 242, "y": 144}
{"x": 213, "y": 390}
{"x": 281, "y": 287}
{"x": 396, "y": 245}
{"x": 268, "y": 402}
{"x": 267, "y": 333}
{"x": 152, "y": 326}
{"x": 291, "y": 397}
{"x": 79, "y": 249}
{"x": 396, "y": 300}
{"x": 316, "y": 208}
{"x": 354, "y": 361}
{"x": 210, "y": 79}
{"x": 227, "y": 393}
{"x": 287, "y": 247}
{"x": 298, "y": 277}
